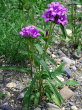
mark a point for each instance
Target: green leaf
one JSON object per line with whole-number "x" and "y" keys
{"x": 48, "y": 93}
{"x": 57, "y": 80}
{"x": 42, "y": 62}
{"x": 69, "y": 41}
{"x": 32, "y": 96}
{"x": 71, "y": 82}
{"x": 55, "y": 92}
{"x": 28, "y": 93}
{"x": 2, "y": 95}
{"x": 42, "y": 41}
{"x": 44, "y": 76}
{"x": 37, "y": 95}
{"x": 58, "y": 73}
{"x": 25, "y": 89}
{"x": 53, "y": 97}
{"x": 16, "y": 68}
{"x": 79, "y": 49}
{"x": 38, "y": 47}
{"x": 79, "y": 26}
{"x": 53, "y": 62}
{"x": 25, "y": 53}
{"x": 60, "y": 68}
{"x": 63, "y": 31}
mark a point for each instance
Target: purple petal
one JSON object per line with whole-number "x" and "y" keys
{"x": 44, "y": 15}
{"x": 47, "y": 20}
{"x": 21, "y": 33}
{"x": 38, "y": 34}
{"x": 54, "y": 14}
{"x": 23, "y": 29}
{"x": 52, "y": 18}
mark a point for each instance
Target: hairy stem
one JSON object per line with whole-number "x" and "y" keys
{"x": 47, "y": 42}
{"x": 27, "y": 41}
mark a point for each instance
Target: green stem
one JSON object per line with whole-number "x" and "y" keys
{"x": 74, "y": 21}
{"x": 27, "y": 39}
{"x": 32, "y": 18}
{"x": 39, "y": 63}
{"x": 32, "y": 49}
{"x": 47, "y": 42}
{"x": 72, "y": 16}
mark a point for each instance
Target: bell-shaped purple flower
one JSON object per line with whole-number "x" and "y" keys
{"x": 30, "y": 31}
{"x": 56, "y": 13}
{"x": 48, "y": 16}
{"x": 62, "y": 19}
{"x": 34, "y": 33}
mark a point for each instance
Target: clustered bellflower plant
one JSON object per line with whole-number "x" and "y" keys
{"x": 30, "y": 31}
{"x": 43, "y": 81}
{"x": 55, "y": 13}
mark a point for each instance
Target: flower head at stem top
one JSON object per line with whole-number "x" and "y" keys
{"x": 55, "y": 13}
{"x": 30, "y": 31}
{"x": 62, "y": 19}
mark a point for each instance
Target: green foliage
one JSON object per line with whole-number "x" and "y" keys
{"x": 2, "y": 95}
{"x": 63, "y": 31}
{"x": 38, "y": 58}
{"x": 73, "y": 17}
{"x": 71, "y": 82}
{"x": 38, "y": 47}
{"x": 15, "y": 68}
{"x": 53, "y": 62}
{"x": 54, "y": 90}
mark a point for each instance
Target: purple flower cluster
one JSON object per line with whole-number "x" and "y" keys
{"x": 30, "y": 31}
{"x": 56, "y": 13}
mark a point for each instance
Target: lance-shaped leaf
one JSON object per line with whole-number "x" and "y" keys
{"x": 26, "y": 99}
{"x": 50, "y": 59}
{"x": 71, "y": 82}
{"x": 56, "y": 93}
{"x": 16, "y": 68}
{"x": 63, "y": 31}
{"x": 39, "y": 48}
{"x": 79, "y": 49}
{"x": 42, "y": 62}
{"x": 37, "y": 95}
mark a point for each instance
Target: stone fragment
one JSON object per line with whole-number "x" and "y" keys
{"x": 48, "y": 52}
{"x": 67, "y": 71}
{"x": 66, "y": 93}
{"x": 69, "y": 32}
{"x": 71, "y": 103}
{"x": 11, "y": 84}
{"x": 37, "y": 108}
{"x": 74, "y": 108}
{"x": 62, "y": 43}
{"x": 51, "y": 106}
{"x": 67, "y": 53}
{"x": 18, "y": 87}
{"x": 21, "y": 95}
{"x": 75, "y": 55}
{"x": 53, "y": 56}
{"x": 73, "y": 67}
{"x": 63, "y": 108}
{"x": 60, "y": 78}
{"x": 58, "y": 63}
{"x": 67, "y": 60}
{"x": 5, "y": 106}
{"x": 78, "y": 100}
{"x": 51, "y": 49}
{"x": 61, "y": 53}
